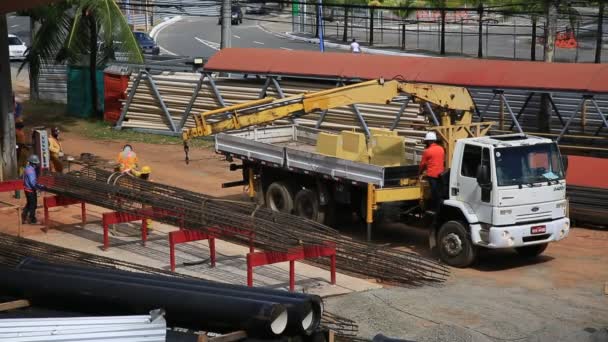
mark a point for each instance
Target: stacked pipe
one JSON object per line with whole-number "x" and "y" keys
{"x": 13, "y": 250}
{"x": 588, "y": 205}
{"x": 189, "y": 303}
{"x": 272, "y": 230}
{"x": 176, "y": 91}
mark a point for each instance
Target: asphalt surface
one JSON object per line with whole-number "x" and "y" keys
{"x": 200, "y": 37}
{"x": 19, "y": 26}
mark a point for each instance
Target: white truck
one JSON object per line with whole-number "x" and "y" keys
{"x": 504, "y": 191}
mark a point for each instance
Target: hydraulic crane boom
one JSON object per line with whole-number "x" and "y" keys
{"x": 267, "y": 110}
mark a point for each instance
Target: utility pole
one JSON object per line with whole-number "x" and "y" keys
{"x": 226, "y": 14}
{"x": 8, "y": 155}
{"x": 321, "y": 39}
{"x": 600, "y": 32}
{"x": 544, "y": 116}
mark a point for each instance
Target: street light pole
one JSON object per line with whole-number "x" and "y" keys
{"x": 226, "y": 40}
{"x": 321, "y": 41}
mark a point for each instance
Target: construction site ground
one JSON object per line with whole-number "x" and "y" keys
{"x": 560, "y": 296}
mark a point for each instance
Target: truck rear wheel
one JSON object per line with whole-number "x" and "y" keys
{"x": 531, "y": 251}
{"x": 279, "y": 197}
{"x": 306, "y": 204}
{"x": 455, "y": 247}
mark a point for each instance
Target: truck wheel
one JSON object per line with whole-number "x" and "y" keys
{"x": 279, "y": 197}
{"x": 531, "y": 251}
{"x": 455, "y": 247}
{"x": 306, "y": 204}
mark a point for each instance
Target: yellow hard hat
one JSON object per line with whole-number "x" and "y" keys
{"x": 146, "y": 170}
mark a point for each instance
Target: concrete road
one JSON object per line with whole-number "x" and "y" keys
{"x": 19, "y": 26}
{"x": 200, "y": 37}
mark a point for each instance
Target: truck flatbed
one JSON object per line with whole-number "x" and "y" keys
{"x": 292, "y": 147}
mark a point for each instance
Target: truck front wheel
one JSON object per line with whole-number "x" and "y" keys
{"x": 455, "y": 247}
{"x": 531, "y": 251}
{"x": 279, "y": 197}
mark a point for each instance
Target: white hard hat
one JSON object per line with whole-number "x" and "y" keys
{"x": 430, "y": 136}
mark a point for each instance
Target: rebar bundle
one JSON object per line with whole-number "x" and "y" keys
{"x": 13, "y": 250}
{"x": 271, "y": 230}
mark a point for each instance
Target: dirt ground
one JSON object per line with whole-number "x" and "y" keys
{"x": 557, "y": 297}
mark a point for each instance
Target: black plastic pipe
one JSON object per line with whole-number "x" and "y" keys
{"x": 304, "y": 311}
{"x": 184, "y": 308}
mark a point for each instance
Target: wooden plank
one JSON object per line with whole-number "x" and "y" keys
{"x": 16, "y": 304}
{"x": 230, "y": 337}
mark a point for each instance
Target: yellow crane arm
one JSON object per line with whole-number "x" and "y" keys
{"x": 372, "y": 92}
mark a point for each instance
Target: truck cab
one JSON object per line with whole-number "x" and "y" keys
{"x": 504, "y": 191}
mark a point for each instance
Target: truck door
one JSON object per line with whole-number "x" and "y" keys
{"x": 468, "y": 189}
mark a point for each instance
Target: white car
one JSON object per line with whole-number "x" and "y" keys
{"x": 16, "y": 47}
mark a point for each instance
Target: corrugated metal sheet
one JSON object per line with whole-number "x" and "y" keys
{"x": 53, "y": 83}
{"x": 569, "y": 77}
{"x": 152, "y": 328}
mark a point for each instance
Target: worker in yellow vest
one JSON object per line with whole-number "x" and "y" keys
{"x": 55, "y": 151}
{"x": 145, "y": 175}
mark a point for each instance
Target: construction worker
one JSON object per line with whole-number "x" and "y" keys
{"x": 145, "y": 175}
{"x": 433, "y": 161}
{"x": 56, "y": 151}
{"x": 127, "y": 159}
{"x": 31, "y": 187}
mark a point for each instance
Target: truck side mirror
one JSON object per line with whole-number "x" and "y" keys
{"x": 565, "y": 163}
{"x": 483, "y": 175}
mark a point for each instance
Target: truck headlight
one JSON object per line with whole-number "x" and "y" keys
{"x": 506, "y": 212}
{"x": 561, "y": 205}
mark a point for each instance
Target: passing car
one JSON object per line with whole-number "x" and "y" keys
{"x": 236, "y": 15}
{"x": 146, "y": 43}
{"x": 256, "y": 8}
{"x": 16, "y": 47}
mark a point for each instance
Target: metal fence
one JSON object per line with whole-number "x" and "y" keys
{"x": 53, "y": 83}
{"x": 503, "y": 35}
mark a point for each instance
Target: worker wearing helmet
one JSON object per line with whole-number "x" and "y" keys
{"x": 31, "y": 186}
{"x": 55, "y": 150}
{"x": 127, "y": 159}
{"x": 433, "y": 161}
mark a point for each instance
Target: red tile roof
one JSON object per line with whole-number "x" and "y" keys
{"x": 579, "y": 77}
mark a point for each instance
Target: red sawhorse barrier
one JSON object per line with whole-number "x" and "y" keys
{"x": 114, "y": 218}
{"x": 299, "y": 253}
{"x": 187, "y": 235}
{"x": 60, "y": 201}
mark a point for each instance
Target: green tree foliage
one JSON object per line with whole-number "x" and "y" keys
{"x": 80, "y": 32}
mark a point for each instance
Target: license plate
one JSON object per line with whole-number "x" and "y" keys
{"x": 538, "y": 229}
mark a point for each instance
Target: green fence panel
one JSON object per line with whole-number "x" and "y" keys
{"x": 79, "y": 92}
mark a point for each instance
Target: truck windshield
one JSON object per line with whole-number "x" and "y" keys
{"x": 528, "y": 164}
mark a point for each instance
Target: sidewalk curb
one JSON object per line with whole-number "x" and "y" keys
{"x": 156, "y": 29}
{"x": 290, "y": 35}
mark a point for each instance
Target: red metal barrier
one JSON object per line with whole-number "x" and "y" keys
{"x": 299, "y": 253}
{"x": 60, "y": 201}
{"x": 11, "y": 185}
{"x": 185, "y": 235}
{"x": 114, "y": 218}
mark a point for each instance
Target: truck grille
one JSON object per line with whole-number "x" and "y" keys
{"x": 533, "y": 217}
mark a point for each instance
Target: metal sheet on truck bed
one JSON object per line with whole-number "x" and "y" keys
{"x": 292, "y": 147}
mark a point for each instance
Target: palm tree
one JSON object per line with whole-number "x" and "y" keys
{"x": 74, "y": 29}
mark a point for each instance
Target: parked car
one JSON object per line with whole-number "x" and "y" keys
{"x": 146, "y": 43}
{"x": 16, "y": 47}
{"x": 236, "y": 15}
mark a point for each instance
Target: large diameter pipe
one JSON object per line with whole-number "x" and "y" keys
{"x": 184, "y": 308}
{"x": 304, "y": 311}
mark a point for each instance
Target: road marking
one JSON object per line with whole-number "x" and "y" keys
{"x": 255, "y": 41}
{"x": 213, "y": 45}
{"x": 167, "y": 51}
{"x": 13, "y": 26}
{"x": 235, "y": 36}
{"x": 288, "y": 49}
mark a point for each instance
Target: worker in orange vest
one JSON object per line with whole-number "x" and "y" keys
{"x": 433, "y": 161}
{"x": 22, "y": 149}
{"x": 127, "y": 159}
